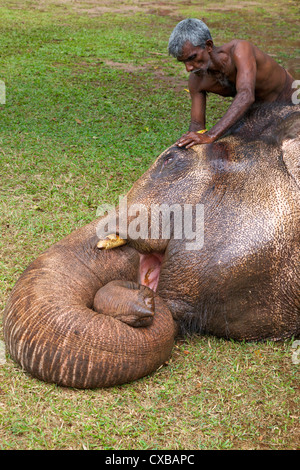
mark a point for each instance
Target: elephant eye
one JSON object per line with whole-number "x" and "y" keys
{"x": 168, "y": 160}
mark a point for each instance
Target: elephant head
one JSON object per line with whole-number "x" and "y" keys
{"x": 226, "y": 262}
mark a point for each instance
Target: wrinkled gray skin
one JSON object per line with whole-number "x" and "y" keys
{"x": 84, "y": 317}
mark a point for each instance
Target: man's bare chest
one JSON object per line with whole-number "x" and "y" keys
{"x": 219, "y": 83}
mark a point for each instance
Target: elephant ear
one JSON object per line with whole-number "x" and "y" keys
{"x": 288, "y": 137}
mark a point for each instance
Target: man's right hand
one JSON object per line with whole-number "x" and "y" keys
{"x": 193, "y": 138}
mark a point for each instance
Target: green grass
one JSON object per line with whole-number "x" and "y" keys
{"x": 91, "y": 99}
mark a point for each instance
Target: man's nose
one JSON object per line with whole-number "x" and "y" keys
{"x": 189, "y": 67}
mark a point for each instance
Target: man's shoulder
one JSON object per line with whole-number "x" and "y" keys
{"x": 196, "y": 83}
{"x": 241, "y": 45}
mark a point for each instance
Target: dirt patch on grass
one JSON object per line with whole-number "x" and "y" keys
{"x": 127, "y": 67}
{"x": 232, "y": 6}
{"x": 168, "y": 8}
{"x": 160, "y": 78}
{"x": 159, "y": 75}
{"x": 100, "y": 7}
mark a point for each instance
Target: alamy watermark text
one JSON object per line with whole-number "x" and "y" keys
{"x": 159, "y": 221}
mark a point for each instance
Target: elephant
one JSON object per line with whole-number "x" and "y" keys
{"x": 97, "y": 311}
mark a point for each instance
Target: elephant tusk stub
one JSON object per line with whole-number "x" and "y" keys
{"x": 111, "y": 241}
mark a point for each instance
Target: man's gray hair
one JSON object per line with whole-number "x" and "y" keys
{"x": 192, "y": 30}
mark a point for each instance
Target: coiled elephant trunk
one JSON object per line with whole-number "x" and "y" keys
{"x": 52, "y": 331}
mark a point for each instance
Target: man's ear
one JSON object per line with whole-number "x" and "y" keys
{"x": 209, "y": 44}
{"x": 288, "y": 137}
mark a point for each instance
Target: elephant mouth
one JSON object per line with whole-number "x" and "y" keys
{"x": 150, "y": 266}
{"x": 150, "y": 263}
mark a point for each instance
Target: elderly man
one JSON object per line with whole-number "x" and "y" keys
{"x": 238, "y": 69}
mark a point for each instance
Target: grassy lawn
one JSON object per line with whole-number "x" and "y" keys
{"x": 92, "y": 98}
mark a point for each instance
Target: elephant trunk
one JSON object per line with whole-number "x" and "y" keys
{"x": 52, "y": 331}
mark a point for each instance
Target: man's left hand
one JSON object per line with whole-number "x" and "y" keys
{"x": 193, "y": 138}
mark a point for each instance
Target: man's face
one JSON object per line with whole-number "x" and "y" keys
{"x": 195, "y": 59}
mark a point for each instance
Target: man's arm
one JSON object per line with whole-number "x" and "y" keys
{"x": 244, "y": 60}
{"x": 245, "y": 63}
{"x": 198, "y": 108}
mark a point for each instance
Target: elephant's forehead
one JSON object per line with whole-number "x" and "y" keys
{"x": 200, "y": 151}
{"x": 175, "y": 150}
